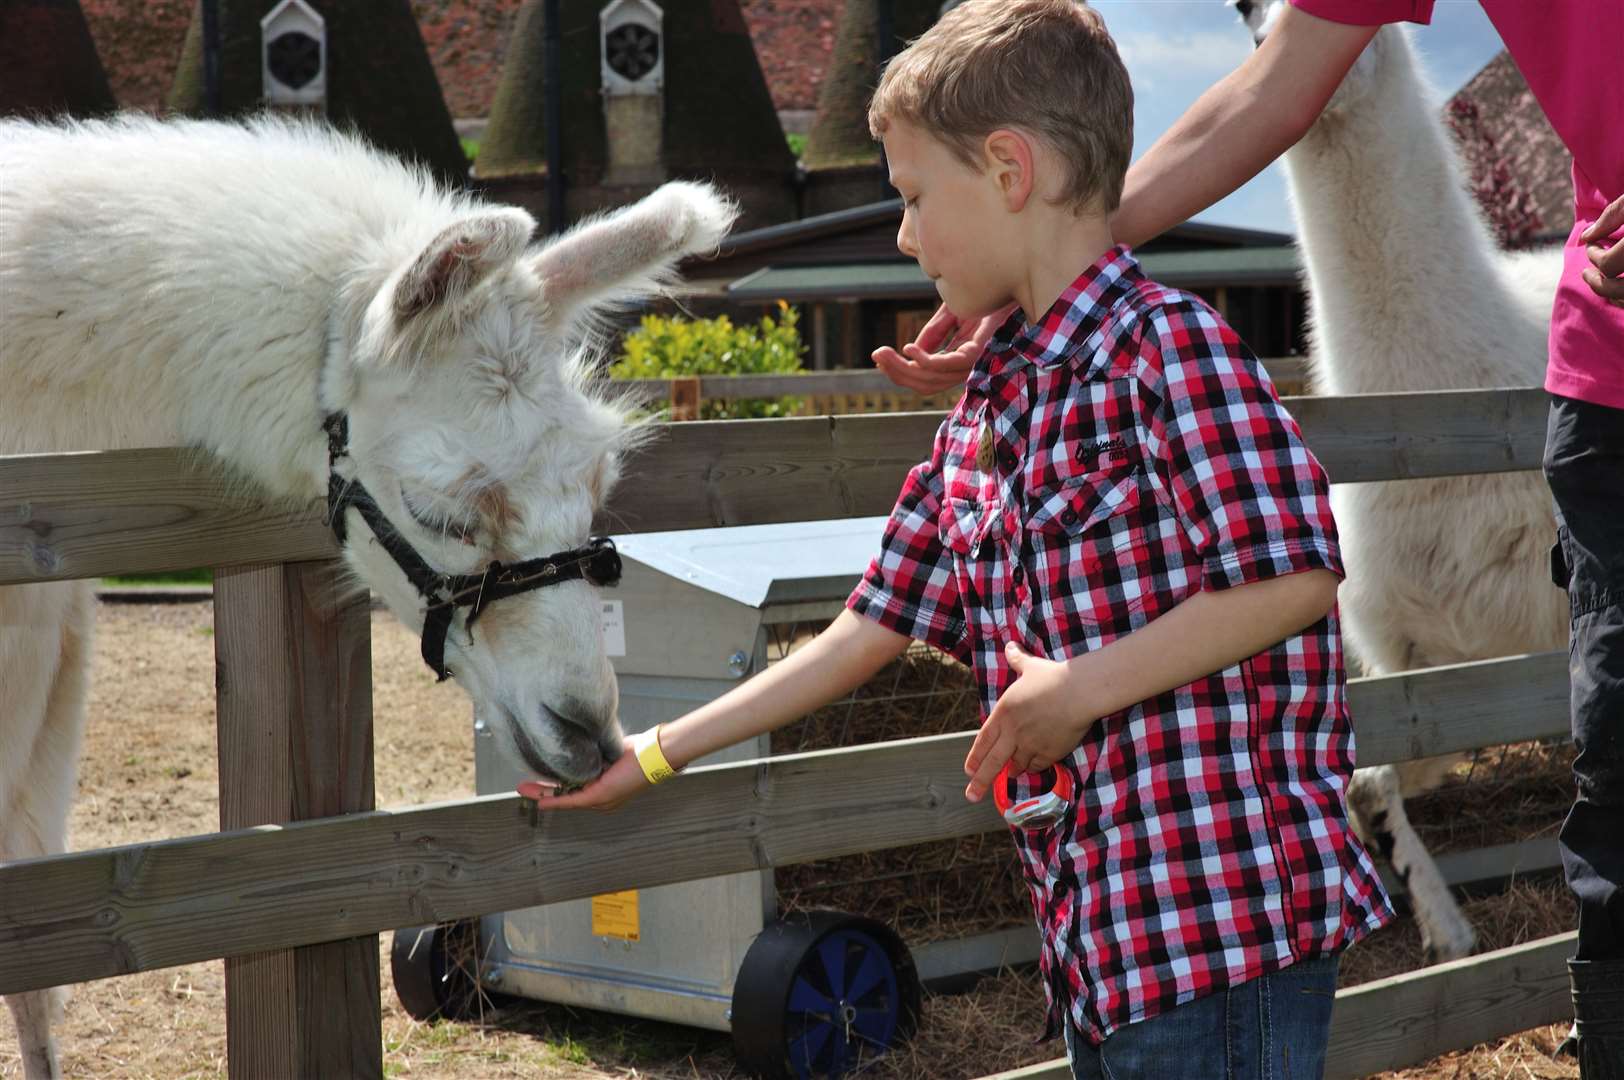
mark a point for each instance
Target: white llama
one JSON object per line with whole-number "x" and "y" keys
{"x": 230, "y": 288}
{"x": 1408, "y": 292}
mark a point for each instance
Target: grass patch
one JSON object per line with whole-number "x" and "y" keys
{"x": 470, "y": 149}
{"x": 797, "y": 143}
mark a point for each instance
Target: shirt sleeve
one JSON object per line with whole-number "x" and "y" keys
{"x": 910, "y": 587}
{"x": 1368, "y": 12}
{"x": 1252, "y": 498}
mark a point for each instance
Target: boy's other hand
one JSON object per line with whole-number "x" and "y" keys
{"x": 943, "y": 353}
{"x": 1039, "y": 720}
{"x": 614, "y": 787}
{"x": 1606, "y": 277}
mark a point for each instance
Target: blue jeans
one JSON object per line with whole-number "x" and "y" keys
{"x": 1272, "y": 1028}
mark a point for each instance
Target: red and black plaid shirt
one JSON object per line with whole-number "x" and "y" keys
{"x": 1122, "y": 455}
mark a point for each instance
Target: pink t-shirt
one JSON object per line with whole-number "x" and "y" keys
{"x": 1562, "y": 50}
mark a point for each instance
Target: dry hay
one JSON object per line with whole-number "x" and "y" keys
{"x": 1502, "y": 795}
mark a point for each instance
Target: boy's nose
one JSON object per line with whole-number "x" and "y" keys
{"x": 905, "y": 242}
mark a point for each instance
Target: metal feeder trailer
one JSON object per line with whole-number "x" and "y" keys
{"x": 808, "y": 996}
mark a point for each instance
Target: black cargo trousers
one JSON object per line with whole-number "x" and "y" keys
{"x": 1584, "y": 465}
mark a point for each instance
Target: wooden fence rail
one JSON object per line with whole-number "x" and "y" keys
{"x": 1285, "y": 370}
{"x": 138, "y": 511}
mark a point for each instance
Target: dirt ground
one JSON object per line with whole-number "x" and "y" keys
{"x": 149, "y": 772}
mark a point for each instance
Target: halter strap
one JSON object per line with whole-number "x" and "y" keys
{"x": 598, "y": 562}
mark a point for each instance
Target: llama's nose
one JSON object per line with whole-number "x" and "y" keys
{"x": 595, "y": 723}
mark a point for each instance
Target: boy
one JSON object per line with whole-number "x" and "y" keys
{"x": 1120, "y": 528}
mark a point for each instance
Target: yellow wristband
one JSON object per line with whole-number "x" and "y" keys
{"x": 656, "y": 769}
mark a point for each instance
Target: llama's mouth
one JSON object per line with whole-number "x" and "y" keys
{"x": 578, "y": 762}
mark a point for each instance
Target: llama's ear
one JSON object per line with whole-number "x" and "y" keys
{"x": 460, "y": 258}
{"x": 630, "y": 252}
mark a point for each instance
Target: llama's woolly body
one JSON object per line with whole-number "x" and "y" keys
{"x": 1407, "y": 292}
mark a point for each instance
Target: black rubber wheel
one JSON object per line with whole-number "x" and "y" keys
{"x": 822, "y": 994}
{"x": 436, "y": 970}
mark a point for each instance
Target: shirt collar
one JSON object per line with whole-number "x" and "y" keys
{"x": 1080, "y": 309}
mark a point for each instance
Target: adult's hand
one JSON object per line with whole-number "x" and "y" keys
{"x": 1606, "y": 274}
{"x": 613, "y": 788}
{"x": 943, "y": 353}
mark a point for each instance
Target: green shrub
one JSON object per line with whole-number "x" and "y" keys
{"x": 662, "y": 348}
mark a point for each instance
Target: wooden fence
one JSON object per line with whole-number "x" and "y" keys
{"x": 305, "y": 874}
{"x": 843, "y": 393}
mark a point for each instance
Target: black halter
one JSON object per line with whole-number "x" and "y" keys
{"x": 597, "y": 563}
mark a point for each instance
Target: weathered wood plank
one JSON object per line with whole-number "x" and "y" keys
{"x": 293, "y": 678}
{"x": 84, "y": 515}
{"x": 1403, "y": 436}
{"x": 1410, "y": 1018}
{"x": 1497, "y": 862}
{"x": 370, "y": 872}
{"x": 1459, "y": 707}
{"x": 1283, "y": 369}
{"x": 1413, "y": 1017}
{"x": 749, "y": 472}
{"x": 140, "y": 511}
{"x": 94, "y": 914}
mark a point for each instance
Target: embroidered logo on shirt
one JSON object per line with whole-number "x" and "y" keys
{"x": 1112, "y": 448}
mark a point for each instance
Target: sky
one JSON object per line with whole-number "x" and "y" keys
{"x": 1175, "y": 49}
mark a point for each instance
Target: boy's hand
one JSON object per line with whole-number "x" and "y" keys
{"x": 1606, "y": 276}
{"x": 1039, "y": 720}
{"x": 943, "y": 353}
{"x": 615, "y": 786}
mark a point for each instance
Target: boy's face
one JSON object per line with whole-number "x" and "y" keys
{"x": 950, "y": 223}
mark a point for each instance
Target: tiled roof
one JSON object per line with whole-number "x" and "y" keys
{"x": 140, "y": 41}
{"x": 1509, "y": 115}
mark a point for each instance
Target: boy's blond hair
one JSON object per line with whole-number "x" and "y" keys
{"x": 1044, "y": 67}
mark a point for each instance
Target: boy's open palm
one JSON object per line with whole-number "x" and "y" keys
{"x": 1039, "y": 720}
{"x": 613, "y": 788}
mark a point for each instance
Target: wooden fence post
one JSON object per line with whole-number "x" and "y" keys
{"x": 293, "y": 676}
{"x": 685, "y": 399}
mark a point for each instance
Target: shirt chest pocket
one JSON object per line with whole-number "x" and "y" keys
{"x": 1090, "y": 541}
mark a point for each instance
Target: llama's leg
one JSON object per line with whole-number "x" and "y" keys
{"x": 41, "y": 795}
{"x": 34, "y": 1013}
{"x": 1375, "y": 797}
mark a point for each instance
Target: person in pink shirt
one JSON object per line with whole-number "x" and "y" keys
{"x": 1568, "y": 52}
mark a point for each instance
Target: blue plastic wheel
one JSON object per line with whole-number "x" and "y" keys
{"x": 822, "y": 995}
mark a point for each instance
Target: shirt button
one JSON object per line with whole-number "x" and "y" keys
{"x": 1008, "y": 459}
{"x": 1069, "y": 517}
{"x": 1020, "y": 574}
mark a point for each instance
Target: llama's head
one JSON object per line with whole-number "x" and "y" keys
{"x": 474, "y": 428}
{"x": 1363, "y": 79}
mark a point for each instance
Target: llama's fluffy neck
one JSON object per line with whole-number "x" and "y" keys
{"x": 1406, "y": 285}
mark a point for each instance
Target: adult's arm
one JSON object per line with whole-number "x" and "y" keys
{"x": 1228, "y": 136}
{"x": 1243, "y": 122}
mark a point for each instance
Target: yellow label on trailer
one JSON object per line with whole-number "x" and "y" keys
{"x": 615, "y": 915}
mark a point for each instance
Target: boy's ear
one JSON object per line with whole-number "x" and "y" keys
{"x": 1009, "y": 160}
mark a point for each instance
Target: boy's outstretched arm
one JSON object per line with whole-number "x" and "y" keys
{"x": 1045, "y": 713}
{"x": 830, "y": 666}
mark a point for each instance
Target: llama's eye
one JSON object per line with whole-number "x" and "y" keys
{"x": 460, "y": 529}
